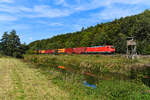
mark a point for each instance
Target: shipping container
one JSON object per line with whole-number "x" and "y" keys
{"x": 69, "y": 50}
{"x": 61, "y": 50}
{"x": 79, "y": 50}
{"x": 39, "y": 52}
{"x": 50, "y": 51}
{"x": 46, "y": 51}
{"x": 43, "y": 51}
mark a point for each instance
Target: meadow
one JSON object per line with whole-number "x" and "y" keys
{"x": 21, "y": 81}
{"x": 115, "y": 76}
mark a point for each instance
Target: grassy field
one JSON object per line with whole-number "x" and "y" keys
{"x": 21, "y": 81}
{"x": 113, "y": 76}
{"x": 37, "y": 77}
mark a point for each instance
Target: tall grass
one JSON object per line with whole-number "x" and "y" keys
{"x": 92, "y": 63}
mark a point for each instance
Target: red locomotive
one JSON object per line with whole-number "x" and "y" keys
{"x": 100, "y": 49}
{"x": 81, "y": 50}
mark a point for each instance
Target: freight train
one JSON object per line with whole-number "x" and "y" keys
{"x": 108, "y": 49}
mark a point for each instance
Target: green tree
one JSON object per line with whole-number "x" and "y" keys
{"x": 4, "y": 43}
{"x": 13, "y": 42}
{"x": 86, "y": 39}
{"x": 11, "y": 45}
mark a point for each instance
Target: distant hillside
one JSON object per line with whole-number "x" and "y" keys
{"x": 111, "y": 33}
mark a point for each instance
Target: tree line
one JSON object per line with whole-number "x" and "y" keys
{"x": 10, "y": 45}
{"x": 110, "y": 33}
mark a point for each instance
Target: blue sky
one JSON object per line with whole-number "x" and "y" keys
{"x": 40, "y": 19}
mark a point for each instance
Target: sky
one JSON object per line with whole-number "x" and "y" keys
{"x": 41, "y": 19}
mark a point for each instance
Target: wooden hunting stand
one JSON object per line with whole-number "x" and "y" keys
{"x": 131, "y": 48}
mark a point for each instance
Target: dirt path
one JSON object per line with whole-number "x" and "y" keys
{"x": 20, "y": 82}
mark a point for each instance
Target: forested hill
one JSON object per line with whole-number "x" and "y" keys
{"x": 111, "y": 33}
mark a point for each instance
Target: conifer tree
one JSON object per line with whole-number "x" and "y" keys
{"x": 10, "y": 45}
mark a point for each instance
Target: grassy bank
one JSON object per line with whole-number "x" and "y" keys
{"x": 91, "y": 63}
{"x": 112, "y": 76}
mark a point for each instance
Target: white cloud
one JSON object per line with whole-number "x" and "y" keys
{"x": 77, "y": 27}
{"x": 20, "y": 26}
{"x": 115, "y": 13}
{"x": 55, "y": 24}
{"x": 47, "y": 11}
{"x": 7, "y": 18}
{"x": 60, "y": 2}
{"x": 78, "y": 1}
{"x": 6, "y": 1}
{"x": 110, "y": 11}
{"x": 107, "y": 3}
{"x": 146, "y": 2}
{"x": 90, "y": 5}
{"x": 35, "y": 11}
{"x": 50, "y": 23}
{"x": 14, "y": 9}
{"x": 30, "y": 38}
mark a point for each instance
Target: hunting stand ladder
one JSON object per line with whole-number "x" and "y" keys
{"x": 131, "y": 48}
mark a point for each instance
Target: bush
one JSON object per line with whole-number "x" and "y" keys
{"x": 17, "y": 55}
